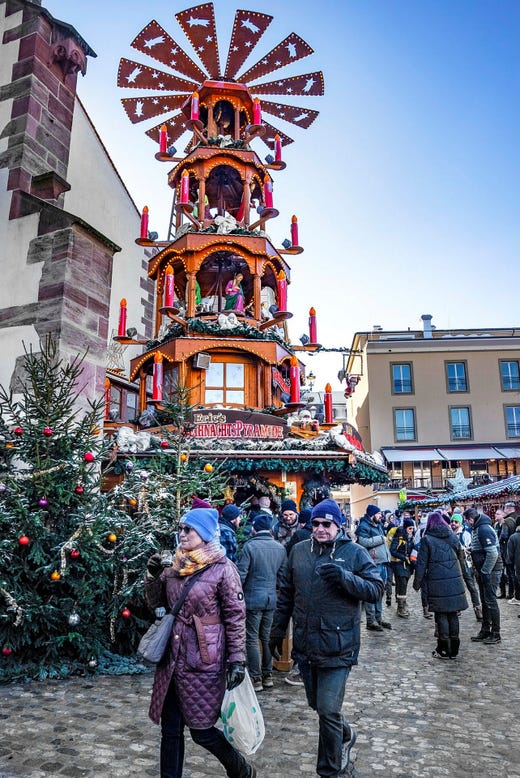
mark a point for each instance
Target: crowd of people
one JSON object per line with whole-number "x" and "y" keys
{"x": 247, "y": 579}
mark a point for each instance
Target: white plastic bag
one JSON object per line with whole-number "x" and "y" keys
{"x": 242, "y": 718}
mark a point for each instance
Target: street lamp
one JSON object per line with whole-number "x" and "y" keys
{"x": 311, "y": 378}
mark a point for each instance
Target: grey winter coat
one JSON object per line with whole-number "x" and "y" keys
{"x": 326, "y": 616}
{"x": 208, "y": 632}
{"x": 513, "y": 551}
{"x": 371, "y": 535}
{"x": 261, "y": 565}
{"x": 438, "y": 564}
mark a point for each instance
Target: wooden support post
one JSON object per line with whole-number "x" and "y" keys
{"x": 190, "y": 296}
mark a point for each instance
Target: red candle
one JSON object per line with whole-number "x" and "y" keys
{"x": 294, "y": 378}
{"x": 163, "y": 139}
{"x": 107, "y": 398}
{"x": 240, "y": 213}
{"x": 257, "y": 111}
{"x": 195, "y": 106}
{"x": 312, "y": 326}
{"x": 281, "y": 282}
{"x": 169, "y": 280}
{"x": 144, "y": 222}
{"x": 185, "y": 187}
{"x": 121, "y": 330}
{"x": 268, "y": 192}
{"x": 157, "y": 377}
{"x": 277, "y": 148}
{"x": 327, "y": 401}
{"x": 294, "y": 231}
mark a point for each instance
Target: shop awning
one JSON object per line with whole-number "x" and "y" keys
{"x": 411, "y": 454}
{"x": 470, "y": 452}
{"x": 508, "y": 452}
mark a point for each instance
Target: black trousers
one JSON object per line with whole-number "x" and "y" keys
{"x": 212, "y": 739}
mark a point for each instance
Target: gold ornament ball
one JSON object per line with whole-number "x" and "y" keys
{"x": 208, "y": 468}
{"x": 112, "y": 537}
{"x": 132, "y": 502}
{"x": 184, "y": 457}
{"x": 55, "y": 576}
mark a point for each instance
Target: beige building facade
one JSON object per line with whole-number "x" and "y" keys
{"x": 435, "y": 400}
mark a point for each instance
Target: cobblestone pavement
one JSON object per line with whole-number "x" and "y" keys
{"x": 417, "y": 717}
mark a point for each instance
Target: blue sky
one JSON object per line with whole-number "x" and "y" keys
{"x": 407, "y": 185}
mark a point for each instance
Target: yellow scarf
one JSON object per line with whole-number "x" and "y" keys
{"x": 188, "y": 562}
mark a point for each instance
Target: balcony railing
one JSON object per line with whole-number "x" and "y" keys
{"x": 461, "y": 432}
{"x": 442, "y": 484}
{"x": 405, "y": 433}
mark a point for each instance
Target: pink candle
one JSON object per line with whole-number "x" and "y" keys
{"x": 312, "y": 326}
{"x": 107, "y": 398}
{"x": 277, "y": 148}
{"x": 257, "y": 111}
{"x": 185, "y": 187}
{"x": 157, "y": 377}
{"x": 294, "y": 377}
{"x": 144, "y": 222}
{"x": 169, "y": 280}
{"x": 281, "y": 282}
{"x": 163, "y": 139}
{"x": 268, "y": 192}
{"x": 327, "y": 401}
{"x": 121, "y": 329}
{"x": 195, "y": 106}
{"x": 294, "y": 231}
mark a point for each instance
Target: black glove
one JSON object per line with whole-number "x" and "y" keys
{"x": 155, "y": 565}
{"x": 236, "y": 673}
{"x": 331, "y": 572}
{"x": 276, "y": 647}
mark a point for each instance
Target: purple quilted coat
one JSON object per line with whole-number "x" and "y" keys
{"x": 208, "y": 632}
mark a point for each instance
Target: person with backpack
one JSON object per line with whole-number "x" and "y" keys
{"x": 485, "y": 554}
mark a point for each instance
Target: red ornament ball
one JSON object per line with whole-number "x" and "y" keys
{"x": 47, "y": 432}
{"x": 18, "y": 431}
{"x": 7, "y": 651}
{"x": 164, "y": 444}
{"x": 23, "y": 540}
{"x": 79, "y": 489}
{"x": 88, "y": 456}
{"x": 75, "y": 553}
{"x": 125, "y": 613}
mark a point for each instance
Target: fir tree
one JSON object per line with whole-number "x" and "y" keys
{"x": 56, "y": 549}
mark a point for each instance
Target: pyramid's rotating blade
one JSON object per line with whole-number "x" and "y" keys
{"x": 288, "y": 51}
{"x": 248, "y": 28}
{"x": 140, "y": 108}
{"x": 136, "y": 76}
{"x": 302, "y": 117}
{"x": 307, "y": 84}
{"x": 271, "y": 131}
{"x": 198, "y": 24}
{"x": 175, "y": 126}
{"x": 154, "y": 41}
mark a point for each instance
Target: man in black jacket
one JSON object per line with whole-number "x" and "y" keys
{"x": 326, "y": 580}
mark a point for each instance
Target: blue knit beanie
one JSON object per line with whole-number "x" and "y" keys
{"x": 230, "y": 512}
{"x": 327, "y": 509}
{"x": 203, "y": 520}
{"x": 371, "y": 510}
{"x": 262, "y": 522}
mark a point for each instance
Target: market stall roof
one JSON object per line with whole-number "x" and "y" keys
{"x": 506, "y": 486}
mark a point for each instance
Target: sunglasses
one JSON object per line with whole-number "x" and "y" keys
{"x": 325, "y": 524}
{"x": 185, "y": 528}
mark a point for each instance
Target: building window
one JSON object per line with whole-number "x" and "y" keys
{"x": 225, "y": 383}
{"x": 510, "y": 375}
{"x": 404, "y": 424}
{"x": 460, "y": 424}
{"x": 512, "y": 421}
{"x": 456, "y": 377}
{"x": 402, "y": 378}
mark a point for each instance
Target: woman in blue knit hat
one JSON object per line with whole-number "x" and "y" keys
{"x": 207, "y": 646}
